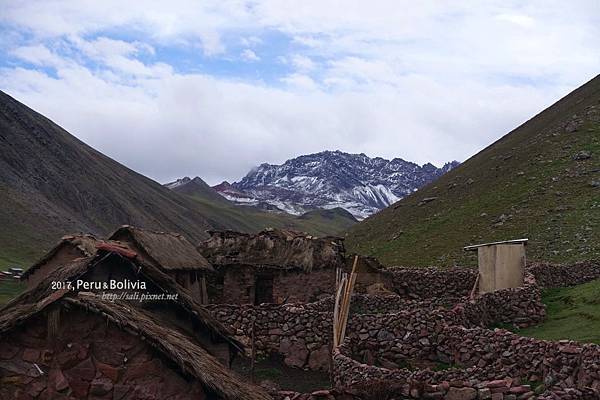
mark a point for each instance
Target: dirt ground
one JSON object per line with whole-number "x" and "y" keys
{"x": 287, "y": 378}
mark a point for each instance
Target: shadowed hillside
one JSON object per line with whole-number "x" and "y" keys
{"x": 51, "y": 183}
{"x": 540, "y": 181}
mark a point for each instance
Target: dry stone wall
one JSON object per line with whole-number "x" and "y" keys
{"x": 560, "y": 275}
{"x": 301, "y": 333}
{"x": 433, "y": 282}
{"x": 476, "y": 355}
{"x": 520, "y": 307}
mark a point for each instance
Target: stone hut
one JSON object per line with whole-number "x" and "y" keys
{"x": 171, "y": 252}
{"x": 78, "y": 346}
{"x": 272, "y": 266}
{"x": 116, "y": 272}
{"x": 68, "y": 249}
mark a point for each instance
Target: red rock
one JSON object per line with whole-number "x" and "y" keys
{"x": 67, "y": 359}
{"x": 80, "y": 387}
{"x": 570, "y": 349}
{"x": 100, "y": 386}
{"x": 60, "y": 382}
{"x": 85, "y": 370}
{"x": 496, "y": 383}
{"x": 35, "y": 388}
{"x": 31, "y": 355}
{"x": 109, "y": 371}
{"x": 464, "y": 393}
{"x": 519, "y": 389}
{"x": 319, "y": 359}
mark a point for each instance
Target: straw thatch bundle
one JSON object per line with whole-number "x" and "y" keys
{"x": 85, "y": 245}
{"x": 170, "y": 251}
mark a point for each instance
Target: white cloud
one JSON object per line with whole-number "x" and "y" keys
{"x": 428, "y": 82}
{"x": 303, "y": 63}
{"x": 38, "y": 55}
{"x": 249, "y": 55}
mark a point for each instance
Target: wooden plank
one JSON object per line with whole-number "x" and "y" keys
{"x": 515, "y": 241}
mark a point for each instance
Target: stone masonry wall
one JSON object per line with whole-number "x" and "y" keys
{"x": 433, "y": 282}
{"x": 475, "y": 355}
{"x": 302, "y": 332}
{"x": 301, "y": 287}
{"x": 90, "y": 359}
{"x": 554, "y": 275}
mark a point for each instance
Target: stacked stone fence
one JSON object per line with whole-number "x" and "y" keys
{"x": 301, "y": 333}
{"x": 519, "y": 307}
{"x": 561, "y": 275}
{"x": 474, "y": 355}
{"x": 432, "y": 282}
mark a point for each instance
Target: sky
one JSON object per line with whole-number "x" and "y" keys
{"x": 214, "y": 88}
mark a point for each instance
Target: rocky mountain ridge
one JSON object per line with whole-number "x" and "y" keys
{"x": 360, "y": 184}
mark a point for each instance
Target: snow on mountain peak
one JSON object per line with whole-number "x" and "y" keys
{"x": 329, "y": 179}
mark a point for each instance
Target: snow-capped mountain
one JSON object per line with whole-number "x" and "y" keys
{"x": 355, "y": 182}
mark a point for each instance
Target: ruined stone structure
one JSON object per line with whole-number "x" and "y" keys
{"x": 427, "y": 347}
{"x": 302, "y": 332}
{"x": 273, "y": 266}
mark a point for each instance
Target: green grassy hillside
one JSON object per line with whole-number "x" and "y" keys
{"x": 541, "y": 181}
{"x": 572, "y": 313}
{"x": 226, "y": 215}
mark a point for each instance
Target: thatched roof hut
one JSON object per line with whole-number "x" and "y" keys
{"x": 68, "y": 248}
{"x": 128, "y": 261}
{"x": 169, "y": 251}
{"x": 277, "y": 249}
{"x": 190, "y": 359}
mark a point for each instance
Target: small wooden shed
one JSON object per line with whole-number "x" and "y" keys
{"x": 501, "y": 264}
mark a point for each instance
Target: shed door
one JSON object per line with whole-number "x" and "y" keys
{"x": 263, "y": 289}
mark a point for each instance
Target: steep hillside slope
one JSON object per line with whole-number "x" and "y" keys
{"x": 222, "y": 213}
{"x": 541, "y": 181}
{"x": 329, "y": 179}
{"x": 51, "y": 184}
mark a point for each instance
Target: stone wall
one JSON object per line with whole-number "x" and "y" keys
{"x": 557, "y": 275}
{"x": 90, "y": 359}
{"x": 433, "y": 282}
{"x": 520, "y": 307}
{"x": 474, "y": 355}
{"x": 301, "y": 332}
{"x": 301, "y": 287}
{"x": 237, "y": 285}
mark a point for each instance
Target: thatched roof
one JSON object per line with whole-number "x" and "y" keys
{"x": 170, "y": 251}
{"x": 278, "y": 249}
{"x": 151, "y": 273}
{"x": 191, "y": 359}
{"x": 85, "y": 244}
